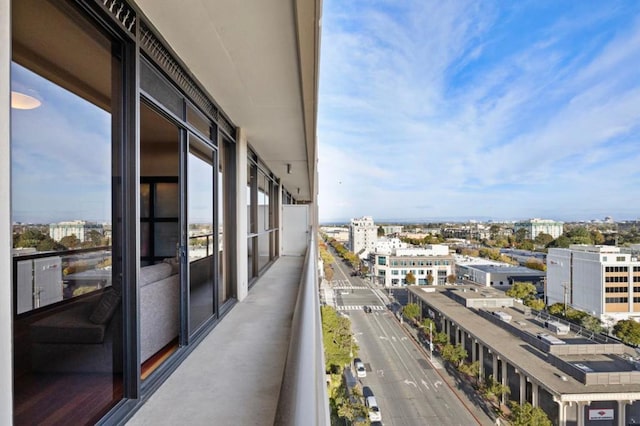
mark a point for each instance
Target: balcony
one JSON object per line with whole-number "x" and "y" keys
{"x": 263, "y": 364}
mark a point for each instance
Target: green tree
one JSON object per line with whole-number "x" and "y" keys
{"x": 455, "y": 354}
{"x": 494, "y": 231}
{"x": 520, "y": 235}
{"x": 411, "y": 311}
{"x": 441, "y": 338}
{"x": 561, "y": 242}
{"x": 428, "y": 322}
{"x": 471, "y": 370}
{"x": 527, "y": 415}
{"x": 556, "y": 309}
{"x": 337, "y": 339}
{"x": 542, "y": 239}
{"x": 521, "y": 290}
{"x": 591, "y": 323}
{"x": 628, "y": 331}
{"x": 380, "y": 231}
{"x": 70, "y": 241}
{"x": 494, "y": 390}
{"x": 537, "y": 304}
{"x": 579, "y": 235}
{"x": 29, "y": 238}
{"x": 597, "y": 237}
{"x": 410, "y": 278}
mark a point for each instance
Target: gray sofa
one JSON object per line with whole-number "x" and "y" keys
{"x": 80, "y": 336}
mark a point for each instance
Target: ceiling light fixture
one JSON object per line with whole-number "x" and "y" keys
{"x": 22, "y": 101}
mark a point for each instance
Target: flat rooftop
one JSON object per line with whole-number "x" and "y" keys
{"x": 522, "y": 354}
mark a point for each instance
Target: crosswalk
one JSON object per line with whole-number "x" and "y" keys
{"x": 359, "y": 308}
{"x": 353, "y": 287}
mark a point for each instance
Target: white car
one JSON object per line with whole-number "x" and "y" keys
{"x": 374, "y": 410}
{"x": 361, "y": 371}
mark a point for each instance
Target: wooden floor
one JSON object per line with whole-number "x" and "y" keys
{"x": 72, "y": 399}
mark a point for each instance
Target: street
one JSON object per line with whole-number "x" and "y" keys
{"x": 407, "y": 388}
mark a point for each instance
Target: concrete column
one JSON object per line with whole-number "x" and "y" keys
{"x": 562, "y": 417}
{"x": 504, "y": 380}
{"x": 581, "y": 406}
{"x": 622, "y": 413}
{"x": 480, "y": 360}
{"x": 494, "y": 359}
{"x": 474, "y": 353}
{"x": 458, "y": 332}
{"x": 523, "y": 388}
{"x": 6, "y": 300}
{"x": 242, "y": 274}
{"x": 534, "y": 394}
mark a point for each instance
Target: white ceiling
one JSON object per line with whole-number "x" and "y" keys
{"x": 259, "y": 61}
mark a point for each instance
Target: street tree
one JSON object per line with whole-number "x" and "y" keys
{"x": 628, "y": 331}
{"x": 337, "y": 339}
{"x": 441, "y": 338}
{"x": 430, "y": 279}
{"x": 428, "y": 322}
{"x": 411, "y": 311}
{"x": 527, "y": 415}
{"x": 410, "y": 278}
{"x": 380, "y": 231}
{"x": 451, "y": 278}
{"x": 455, "y": 354}
{"x": 494, "y": 390}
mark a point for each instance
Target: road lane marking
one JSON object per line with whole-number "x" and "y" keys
{"x": 409, "y": 382}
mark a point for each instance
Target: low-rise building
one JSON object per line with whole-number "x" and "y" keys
{"x": 488, "y": 273}
{"x": 539, "y": 226}
{"x": 429, "y": 265}
{"x": 576, "y": 377}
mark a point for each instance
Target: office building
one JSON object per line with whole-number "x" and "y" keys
{"x": 79, "y": 228}
{"x": 363, "y": 235}
{"x": 533, "y": 227}
{"x": 600, "y": 280}
{"x": 188, "y": 129}
{"x": 431, "y": 265}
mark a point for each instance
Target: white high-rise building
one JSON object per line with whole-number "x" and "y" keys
{"x": 600, "y": 280}
{"x": 363, "y": 235}
{"x": 540, "y": 226}
{"x": 430, "y": 265}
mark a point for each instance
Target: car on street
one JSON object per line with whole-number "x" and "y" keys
{"x": 367, "y": 309}
{"x": 361, "y": 370}
{"x": 374, "y": 410}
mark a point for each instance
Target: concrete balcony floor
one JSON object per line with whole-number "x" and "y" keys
{"x": 234, "y": 376}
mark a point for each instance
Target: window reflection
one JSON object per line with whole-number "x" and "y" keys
{"x": 67, "y": 329}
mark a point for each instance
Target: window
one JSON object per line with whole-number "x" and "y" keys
{"x": 382, "y": 260}
{"x": 395, "y": 272}
{"x": 617, "y": 300}
{"x": 65, "y": 173}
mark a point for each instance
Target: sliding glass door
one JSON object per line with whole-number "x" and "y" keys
{"x": 202, "y": 236}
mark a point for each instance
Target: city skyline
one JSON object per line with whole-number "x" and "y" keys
{"x": 487, "y": 111}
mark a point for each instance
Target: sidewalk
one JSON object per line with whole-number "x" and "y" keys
{"x": 461, "y": 388}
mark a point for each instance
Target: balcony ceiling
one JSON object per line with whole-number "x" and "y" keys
{"x": 259, "y": 61}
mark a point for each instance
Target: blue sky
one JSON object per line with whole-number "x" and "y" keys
{"x": 432, "y": 110}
